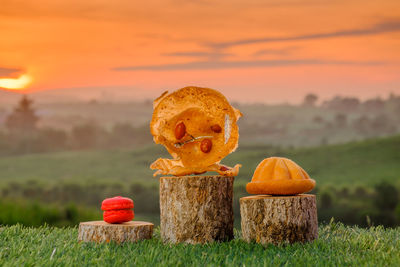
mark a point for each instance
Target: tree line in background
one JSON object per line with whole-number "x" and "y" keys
{"x": 338, "y": 120}
{"x": 347, "y": 116}
{"x": 385, "y": 121}
{"x": 23, "y": 136}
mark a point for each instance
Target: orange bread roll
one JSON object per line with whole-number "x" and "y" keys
{"x": 279, "y": 176}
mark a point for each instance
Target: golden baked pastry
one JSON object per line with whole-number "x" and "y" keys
{"x": 198, "y": 128}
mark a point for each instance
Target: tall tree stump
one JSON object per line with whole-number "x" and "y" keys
{"x": 196, "y": 209}
{"x": 279, "y": 219}
{"x": 100, "y": 231}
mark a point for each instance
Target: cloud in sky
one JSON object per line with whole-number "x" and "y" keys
{"x": 282, "y": 51}
{"x": 382, "y": 27}
{"x": 214, "y": 59}
{"x": 205, "y": 65}
{"x": 214, "y": 55}
{"x": 9, "y": 72}
{"x": 199, "y": 54}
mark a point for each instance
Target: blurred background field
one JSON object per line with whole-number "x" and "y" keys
{"x": 59, "y": 160}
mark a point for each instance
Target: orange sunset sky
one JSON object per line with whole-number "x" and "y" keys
{"x": 252, "y": 51}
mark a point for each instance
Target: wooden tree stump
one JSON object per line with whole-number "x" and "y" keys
{"x": 279, "y": 219}
{"x": 196, "y": 209}
{"x": 100, "y": 231}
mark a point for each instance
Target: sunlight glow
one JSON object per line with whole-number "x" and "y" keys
{"x": 15, "y": 84}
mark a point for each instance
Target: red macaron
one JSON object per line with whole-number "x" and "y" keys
{"x": 117, "y": 209}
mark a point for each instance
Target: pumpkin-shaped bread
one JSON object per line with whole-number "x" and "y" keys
{"x": 279, "y": 176}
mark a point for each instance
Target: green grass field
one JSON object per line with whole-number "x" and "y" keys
{"x": 337, "y": 245}
{"x": 363, "y": 163}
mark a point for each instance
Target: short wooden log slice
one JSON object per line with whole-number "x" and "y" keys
{"x": 196, "y": 209}
{"x": 279, "y": 219}
{"x": 100, "y": 231}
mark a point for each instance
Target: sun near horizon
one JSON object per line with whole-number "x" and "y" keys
{"x": 19, "y": 83}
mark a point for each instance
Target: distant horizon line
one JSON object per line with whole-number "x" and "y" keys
{"x": 121, "y": 99}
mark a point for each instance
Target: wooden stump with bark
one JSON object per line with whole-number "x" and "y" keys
{"x": 100, "y": 231}
{"x": 279, "y": 219}
{"x": 196, "y": 209}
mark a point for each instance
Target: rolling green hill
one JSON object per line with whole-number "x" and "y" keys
{"x": 67, "y": 187}
{"x": 363, "y": 163}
